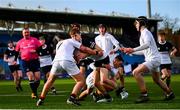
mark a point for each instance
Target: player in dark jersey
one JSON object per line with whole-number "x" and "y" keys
{"x": 45, "y": 59}
{"x": 166, "y": 49}
{"x": 13, "y": 63}
{"x": 83, "y": 63}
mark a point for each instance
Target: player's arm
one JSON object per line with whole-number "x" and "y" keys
{"x": 88, "y": 50}
{"x": 97, "y": 48}
{"x": 142, "y": 47}
{"x": 138, "y": 53}
{"x": 115, "y": 43}
{"x": 173, "y": 52}
{"x": 6, "y": 57}
{"x": 137, "y": 49}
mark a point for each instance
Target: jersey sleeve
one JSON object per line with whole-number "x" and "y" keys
{"x": 115, "y": 43}
{"x": 146, "y": 39}
{"x": 76, "y": 44}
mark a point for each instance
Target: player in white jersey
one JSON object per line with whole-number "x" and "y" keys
{"x": 152, "y": 61}
{"x": 166, "y": 49}
{"x": 64, "y": 61}
{"x": 106, "y": 42}
{"x": 108, "y": 79}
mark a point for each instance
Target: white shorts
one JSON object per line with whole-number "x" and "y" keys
{"x": 153, "y": 66}
{"x": 90, "y": 81}
{"x": 59, "y": 67}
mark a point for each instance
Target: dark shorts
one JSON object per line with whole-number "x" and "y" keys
{"x": 14, "y": 68}
{"x": 32, "y": 65}
{"x": 46, "y": 69}
{"x": 85, "y": 62}
{"x": 101, "y": 63}
{"x": 167, "y": 66}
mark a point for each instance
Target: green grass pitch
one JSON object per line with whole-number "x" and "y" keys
{"x": 10, "y": 99}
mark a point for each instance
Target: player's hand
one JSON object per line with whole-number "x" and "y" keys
{"x": 14, "y": 62}
{"x": 172, "y": 54}
{"x": 128, "y": 50}
{"x": 100, "y": 53}
{"x": 112, "y": 52}
{"x": 121, "y": 49}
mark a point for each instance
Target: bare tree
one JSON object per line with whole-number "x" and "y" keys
{"x": 167, "y": 23}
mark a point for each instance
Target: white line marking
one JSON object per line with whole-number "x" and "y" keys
{"x": 23, "y": 95}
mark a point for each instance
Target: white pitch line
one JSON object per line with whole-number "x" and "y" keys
{"x": 23, "y": 95}
{"x": 59, "y": 93}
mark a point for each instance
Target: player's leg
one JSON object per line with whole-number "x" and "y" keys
{"x": 168, "y": 79}
{"x": 30, "y": 76}
{"x": 104, "y": 74}
{"x": 166, "y": 72}
{"x": 121, "y": 89}
{"x": 90, "y": 86}
{"x": 52, "y": 76}
{"x": 169, "y": 94}
{"x": 20, "y": 76}
{"x": 97, "y": 82}
{"x": 107, "y": 83}
{"x": 46, "y": 71}
{"x": 80, "y": 82}
{"x": 15, "y": 77}
{"x": 46, "y": 88}
{"x": 85, "y": 93}
{"x": 138, "y": 75}
{"x": 106, "y": 97}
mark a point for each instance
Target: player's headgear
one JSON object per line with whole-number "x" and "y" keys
{"x": 143, "y": 21}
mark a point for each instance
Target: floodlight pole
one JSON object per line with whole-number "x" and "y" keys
{"x": 148, "y": 8}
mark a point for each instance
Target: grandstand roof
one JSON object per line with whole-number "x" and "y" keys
{"x": 61, "y": 17}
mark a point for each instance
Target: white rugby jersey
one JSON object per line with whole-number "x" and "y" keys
{"x": 114, "y": 70}
{"x": 65, "y": 49}
{"x": 150, "y": 53}
{"x": 106, "y": 43}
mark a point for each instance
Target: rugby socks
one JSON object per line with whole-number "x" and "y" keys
{"x": 37, "y": 83}
{"x": 19, "y": 85}
{"x": 32, "y": 85}
{"x": 168, "y": 81}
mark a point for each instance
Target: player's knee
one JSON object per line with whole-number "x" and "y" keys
{"x": 97, "y": 84}
{"x": 104, "y": 81}
{"x": 135, "y": 73}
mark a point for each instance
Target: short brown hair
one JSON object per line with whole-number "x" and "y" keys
{"x": 161, "y": 33}
{"x": 74, "y": 31}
